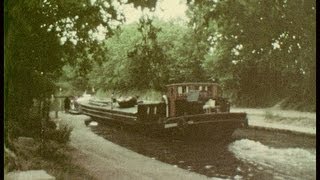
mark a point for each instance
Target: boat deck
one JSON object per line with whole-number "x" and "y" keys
{"x": 108, "y": 107}
{"x": 106, "y": 113}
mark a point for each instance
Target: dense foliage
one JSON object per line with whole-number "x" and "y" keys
{"x": 144, "y": 56}
{"x": 43, "y": 36}
{"x": 263, "y": 51}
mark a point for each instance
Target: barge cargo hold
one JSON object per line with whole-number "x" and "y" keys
{"x": 188, "y": 109}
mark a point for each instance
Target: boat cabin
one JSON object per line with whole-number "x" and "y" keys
{"x": 189, "y": 98}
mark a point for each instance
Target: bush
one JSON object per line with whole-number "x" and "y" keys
{"x": 10, "y": 160}
{"x": 61, "y": 135}
{"x": 51, "y": 150}
{"x": 54, "y": 140}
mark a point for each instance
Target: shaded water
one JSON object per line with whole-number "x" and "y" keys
{"x": 210, "y": 158}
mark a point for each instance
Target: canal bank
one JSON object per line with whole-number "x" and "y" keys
{"x": 287, "y": 121}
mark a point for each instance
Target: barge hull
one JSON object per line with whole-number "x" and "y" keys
{"x": 213, "y": 125}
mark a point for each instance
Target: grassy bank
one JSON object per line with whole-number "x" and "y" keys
{"x": 53, "y": 157}
{"x": 48, "y": 150}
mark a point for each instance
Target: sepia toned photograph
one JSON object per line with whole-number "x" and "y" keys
{"x": 159, "y": 89}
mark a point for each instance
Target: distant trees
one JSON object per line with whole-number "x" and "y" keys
{"x": 141, "y": 56}
{"x": 112, "y": 73}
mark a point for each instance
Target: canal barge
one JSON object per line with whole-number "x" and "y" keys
{"x": 188, "y": 109}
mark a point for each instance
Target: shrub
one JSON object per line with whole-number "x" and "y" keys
{"x": 50, "y": 149}
{"x": 61, "y": 135}
{"x": 10, "y": 160}
{"x": 54, "y": 140}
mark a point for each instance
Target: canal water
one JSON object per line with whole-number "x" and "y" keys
{"x": 251, "y": 154}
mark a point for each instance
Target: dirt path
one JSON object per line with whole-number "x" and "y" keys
{"x": 105, "y": 160}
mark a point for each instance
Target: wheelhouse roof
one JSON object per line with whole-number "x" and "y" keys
{"x": 193, "y": 84}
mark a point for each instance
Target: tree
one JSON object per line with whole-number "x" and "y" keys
{"x": 256, "y": 47}
{"x": 113, "y": 73}
{"x": 147, "y": 59}
{"x": 40, "y": 38}
{"x": 116, "y": 71}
